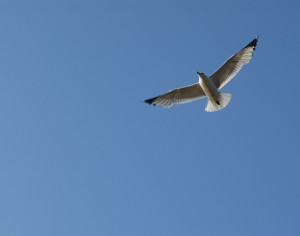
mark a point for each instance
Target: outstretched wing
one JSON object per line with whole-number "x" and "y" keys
{"x": 233, "y": 65}
{"x": 178, "y": 96}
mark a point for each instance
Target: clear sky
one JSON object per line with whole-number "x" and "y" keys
{"x": 80, "y": 152}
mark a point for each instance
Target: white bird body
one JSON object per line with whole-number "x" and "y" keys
{"x": 208, "y": 86}
{"x": 216, "y": 100}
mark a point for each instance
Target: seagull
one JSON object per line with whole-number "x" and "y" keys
{"x": 208, "y": 86}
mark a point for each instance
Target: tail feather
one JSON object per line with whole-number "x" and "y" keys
{"x": 224, "y": 99}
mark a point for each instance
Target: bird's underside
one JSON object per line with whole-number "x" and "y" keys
{"x": 208, "y": 86}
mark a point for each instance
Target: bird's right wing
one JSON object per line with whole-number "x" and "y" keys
{"x": 233, "y": 65}
{"x": 178, "y": 96}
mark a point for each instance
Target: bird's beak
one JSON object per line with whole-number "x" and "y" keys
{"x": 199, "y": 73}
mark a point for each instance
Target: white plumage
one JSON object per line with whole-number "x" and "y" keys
{"x": 208, "y": 86}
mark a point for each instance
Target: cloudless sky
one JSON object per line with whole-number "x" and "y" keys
{"x": 80, "y": 152}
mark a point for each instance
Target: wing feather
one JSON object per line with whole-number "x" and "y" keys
{"x": 178, "y": 96}
{"x": 233, "y": 65}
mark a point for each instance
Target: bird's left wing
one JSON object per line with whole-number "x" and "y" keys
{"x": 233, "y": 65}
{"x": 178, "y": 96}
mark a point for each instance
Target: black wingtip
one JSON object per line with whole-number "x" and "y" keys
{"x": 150, "y": 101}
{"x": 253, "y": 43}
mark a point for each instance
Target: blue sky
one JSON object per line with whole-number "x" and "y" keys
{"x": 81, "y": 154}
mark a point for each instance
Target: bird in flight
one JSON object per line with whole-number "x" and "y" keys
{"x": 208, "y": 86}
